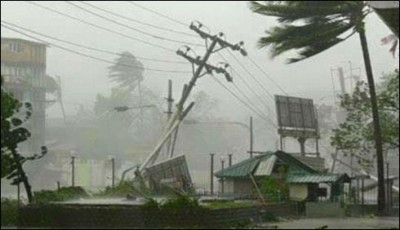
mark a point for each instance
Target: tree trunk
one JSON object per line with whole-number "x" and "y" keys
{"x": 376, "y": 123}
{"x": 21, "y": 174}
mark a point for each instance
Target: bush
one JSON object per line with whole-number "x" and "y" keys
{"x": 64, "y": 194}
{"x": 9, "y": 212}
{"x": 179, "y": 211}
{"x": 123, "y": 189}
{"x": 275, "y": 189}
{"x": 270, "y": 217}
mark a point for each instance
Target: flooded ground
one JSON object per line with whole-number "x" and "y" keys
{"x": 336, "y": 223}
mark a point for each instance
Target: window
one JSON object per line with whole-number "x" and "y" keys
{"x": 15, "y": 47}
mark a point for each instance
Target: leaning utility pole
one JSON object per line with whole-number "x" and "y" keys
{"x": 201, "y": 64}
{"x": 251, "y": 137}
{"x": 170, "y": 101}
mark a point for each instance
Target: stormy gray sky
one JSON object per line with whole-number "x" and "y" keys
{"x": 84, "y": 77}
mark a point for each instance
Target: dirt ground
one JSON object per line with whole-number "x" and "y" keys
{"x": 337, "y": 223}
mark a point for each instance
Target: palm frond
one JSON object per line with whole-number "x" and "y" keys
{"x": 285, "y": 38}
{"x": 290, "y": 11}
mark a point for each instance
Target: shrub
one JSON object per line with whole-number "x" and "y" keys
{"x": 275, "y": 189}
{"x": 270, "y": 217}
{"x": 64, "y": 194}
{"x": 9, "y": 212}
{"x": 179, "y": 211}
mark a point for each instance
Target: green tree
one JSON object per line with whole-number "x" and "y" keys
{"x": 356, "y": 133}
{"x": 9, "y": 106}
{"x": 12, "y": 133}
{"x": 127, "y": 71}
{"x": 323, "y": 22}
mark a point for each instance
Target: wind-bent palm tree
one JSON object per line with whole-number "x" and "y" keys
{"x": 311, "y": 27}
{"x": 127, "y": 71}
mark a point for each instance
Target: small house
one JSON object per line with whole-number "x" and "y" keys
{"x": 304, "y": 178}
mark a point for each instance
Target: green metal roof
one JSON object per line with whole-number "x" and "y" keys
{"x": 295, "y": 165}
{"x": 244, "y": 168}
{"x": 316, "y": 178}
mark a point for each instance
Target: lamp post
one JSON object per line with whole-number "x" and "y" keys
{"x": 73, "y": 155}
{"x": 222, "y": 179}
{"x": 211, "y": 174}
{"x": 112, "y": 159}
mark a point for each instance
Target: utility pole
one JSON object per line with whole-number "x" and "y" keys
{"x": 230, "y": 159}
{"x": 341, "y": 80}
{"x": 222, "y": 179}
{"x": 170, "y": 101}
{"x": 59, "y": 99}
{"x": 73, "y": 171}
{"x": 113, "y": 172}
{"x": 212, "y": 174}
{"x": 201, "y": 64}
{"x": 251, "y": 137}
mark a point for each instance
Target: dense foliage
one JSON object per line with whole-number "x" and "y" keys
{"x": 63, "y": 194}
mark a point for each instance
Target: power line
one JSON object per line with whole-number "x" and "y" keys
{"x": 132, "y": 28}
{"x": 251, "y": 90}
{"x": 248, "y": 86}
{"x": 92, "y": 57}
{"x": 174, "y": 20}
{"x": 252, "y": 76}
{"x": 250, "y": 102}
{"x": 248, "y": 99}
{"x": 88, "y": 47}
{"x": 239, "y": 99}
{"x": 159, "y": 14}
{"x": 265, "y": 74}
{"x": 140, "y": 22}
{"x": 100, "y": 27}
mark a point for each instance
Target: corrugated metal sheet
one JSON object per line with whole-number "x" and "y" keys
{"x": 312, "y": 178}
{"x": 317, "y": 163}
{"x": 244, "y": 168}
{"x": 294, "y": 164}
{"x": 265, "y": 167}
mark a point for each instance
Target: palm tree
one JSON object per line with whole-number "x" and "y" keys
{"x": 127, "y": 71}
{"x": 311, "y": 27}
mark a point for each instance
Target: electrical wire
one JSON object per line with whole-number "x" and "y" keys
{"x": 265, "y": 74}
{"x": 159, "y": 14}
{"x": 132, "y": 28}
{"x": 92, "y": 57}
{"x": 140, "y": 22}
{"x": 90, "y": 48}
{"x": 102, "y": 28}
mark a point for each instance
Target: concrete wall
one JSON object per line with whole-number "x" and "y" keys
{"x": 243, "y": 187}
{"x": 324, "y": 209}
{"x": 128, "y": 216}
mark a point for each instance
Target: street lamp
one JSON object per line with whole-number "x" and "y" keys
{"x": 112, "y": 159}
{"x": 126, "y": 108}
{"x": 73, "y": 155}
{"x": 222, "y": 179}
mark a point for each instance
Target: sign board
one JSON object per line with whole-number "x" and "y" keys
{"x": 172, "y": 172}
{"x": 296, "y": 114}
